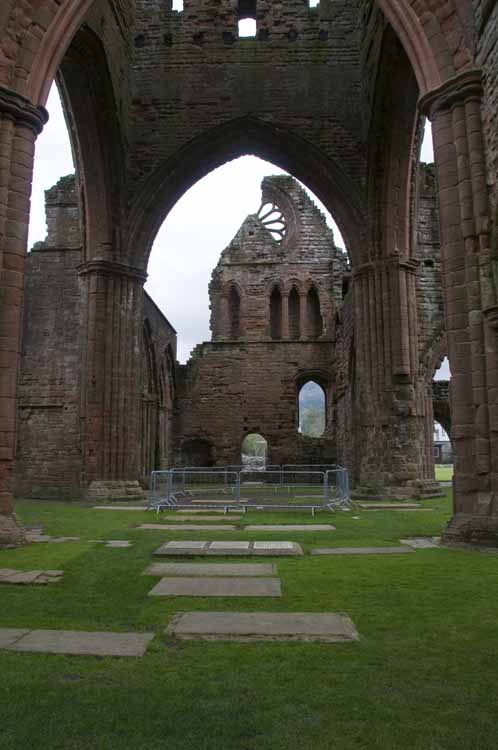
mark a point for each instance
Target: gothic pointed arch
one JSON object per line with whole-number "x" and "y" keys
{"x": 239, "y": 137}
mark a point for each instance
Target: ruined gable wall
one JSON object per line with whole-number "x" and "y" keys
{"x": 250, "y": 382}
{"x": 255, "y": 263}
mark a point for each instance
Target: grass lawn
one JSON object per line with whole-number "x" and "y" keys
{"x": 422, "y": 676}
{"x": 444, "y": 472}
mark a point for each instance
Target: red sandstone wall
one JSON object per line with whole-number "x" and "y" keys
{"x": 229, "y": 390}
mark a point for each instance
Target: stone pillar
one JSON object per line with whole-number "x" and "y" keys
{"x": 471, "y": 305}
{"x": 390, "y": 417}
{"x": 112, "y": 311}
{"x": 20, "y": 123}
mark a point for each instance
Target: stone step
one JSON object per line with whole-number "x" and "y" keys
{"x": 263, "y": 626}
{"x": 261, "y": 587}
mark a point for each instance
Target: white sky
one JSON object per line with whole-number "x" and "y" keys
{"x": 188, "y": 245}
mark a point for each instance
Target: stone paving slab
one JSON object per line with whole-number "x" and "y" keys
{"x": 81, "y": 642}
{"x": 118, "y": 543}
{"x": 389, "y": 506}
{"x": 8, "y": 636}
{"x": 263, "y": 626}
{"x": 185, "y": 527}
{"x": 290, "y": 527}
{"x": 190, "y": 511}
{"x": 211, "y": 570}
{"x": 422, "y": 542}
{"x": 199, "y": 517}
{"x": 217, "y": 587}
{"x": 16, "y": 577}
{"x": 46, "y": 538}
{"x": 119, "y": 507}
{"x": 361, "y": 551}
{"x": 229, "y": 548}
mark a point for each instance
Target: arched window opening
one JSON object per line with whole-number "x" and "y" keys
{"x": 315, "y": 322}
{"x": 247, "y": 18}
{"x": 294, "y": 314}
{"x": 276, "y": 313}
{"x": 312, "y": 410}
{"x": 254, "y": 451}
{"x": 427, "y": 149}
{"x": 314, "y": 3}
{"x": 234, "y": 313}
{"x": 177, "y": 5}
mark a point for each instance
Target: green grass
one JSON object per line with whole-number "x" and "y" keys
{"x": 444, "y": 473}
{"x": 423, "y": 675}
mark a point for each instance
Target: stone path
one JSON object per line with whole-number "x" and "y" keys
{"x": 422, "y": 542}
{"x": 290, "y": 527}
{"x": 261, "y": 587}
{"x": 266, "y": 626}
{"x": 361, "y": 551}
{"x": 210, "y": 570}
{"x": 194, "y": 548}
{"x": 8, "y": 575}
{"x": 117, "y": 543}
{"x": 184, "y": 527}
{"x": 75, "y": 642}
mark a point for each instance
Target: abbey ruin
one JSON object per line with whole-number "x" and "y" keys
{"x": 337, "y": 95}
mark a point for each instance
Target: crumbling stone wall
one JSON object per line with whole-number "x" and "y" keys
{"x": 247, "y": 380}
{"x": 48, "y": 452}
{"x": 49, "y": 463}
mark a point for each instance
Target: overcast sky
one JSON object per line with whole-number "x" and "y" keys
{"x": 191, "y": 239}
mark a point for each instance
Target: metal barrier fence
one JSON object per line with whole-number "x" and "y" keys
{"x": 236, "y": 487}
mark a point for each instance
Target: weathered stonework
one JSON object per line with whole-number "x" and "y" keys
{"x": 50, "y": 432}
{"x": 273, "y": 309}
{"x": 155, "y": 99}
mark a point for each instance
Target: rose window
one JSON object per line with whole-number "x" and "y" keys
{"x": 273, "y": 219}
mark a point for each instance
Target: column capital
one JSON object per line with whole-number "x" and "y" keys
{"x": 409, "y": 265}
{"x": 112, "y": 268}
{"x": 456, "y": 89}
{"x": 22, "y": 111}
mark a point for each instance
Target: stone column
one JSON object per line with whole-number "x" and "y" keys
{"x": 471, "y": 304}
{"x": 390, "y": 415}
{"x": 20, "y": 123}
{"x": 112, "y": 320}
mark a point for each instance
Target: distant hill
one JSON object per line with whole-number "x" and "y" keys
{"x": 311, "y": 396}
